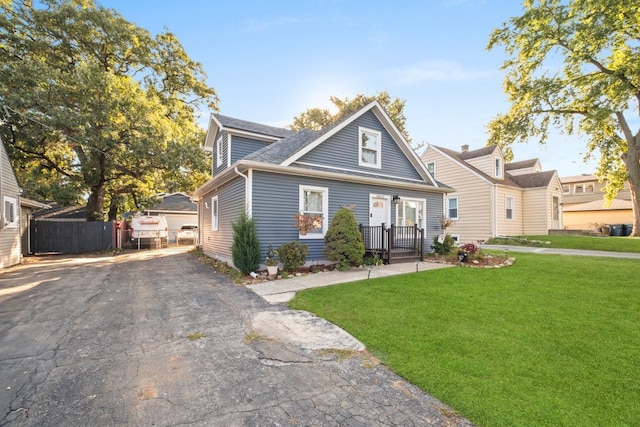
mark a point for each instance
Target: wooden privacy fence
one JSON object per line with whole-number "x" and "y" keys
{"x": 74, "y": 236}
{"x": 395, "y": 243}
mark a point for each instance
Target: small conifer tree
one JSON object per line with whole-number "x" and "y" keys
{"x": 245, "y": 251}
{"x": 343, "y": 241}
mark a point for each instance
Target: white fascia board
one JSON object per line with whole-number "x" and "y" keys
{"x": 212, "y": 130}
{"x": 338, "y": 176}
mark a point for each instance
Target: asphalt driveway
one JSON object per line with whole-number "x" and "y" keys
{"x": 157, "y": 338}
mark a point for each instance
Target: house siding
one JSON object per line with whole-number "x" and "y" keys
{"x": 509, "y": 227}
{"x": 10, "y": 247}
{"x": 486, "y": 163}
{"x": 536, "y": 211}
{"x": 231, "y": 202}
{"x": 276, "y": 198}
{"x": 475, "y": 201}
{"x": 341, "y": 151}
{"x": 218, "y": 168}
{"x": 241, "y": 147}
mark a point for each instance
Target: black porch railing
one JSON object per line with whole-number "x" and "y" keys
{"x": 395, "y": 243}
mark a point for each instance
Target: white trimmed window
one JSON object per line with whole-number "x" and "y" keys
{"x": 314, "y": 201}
{"x": 10, "y": 212}
{"x": 219, "y": 151}
{"x": 498, "y": 167}
{"x": 410, "y": 212}
{"x": 431, "y": 167}
{"x": 215, "y": 219}
{"x": 369, "y": 147}
{"x": 452, "y": 207}
{"x": 566, "y": 188}
{"x": 508, "y": 207}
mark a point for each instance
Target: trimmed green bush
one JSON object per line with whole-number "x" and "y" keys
{"x": 292, "y": 255}
{"x": 343, "y": 241}
{"x": 245, "y": 251}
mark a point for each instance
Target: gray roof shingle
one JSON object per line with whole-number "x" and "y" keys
{"x": 232, "y": 123}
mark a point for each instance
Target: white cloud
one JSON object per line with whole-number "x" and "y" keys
{"x": 436, "y": 70}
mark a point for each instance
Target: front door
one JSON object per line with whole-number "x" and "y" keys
{"x": 379, "y": 211}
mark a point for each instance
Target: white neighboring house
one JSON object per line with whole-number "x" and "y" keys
{"x": 10, "y": 245}
{"x": 493, "y": 198}
{"x": 178, "y": 209}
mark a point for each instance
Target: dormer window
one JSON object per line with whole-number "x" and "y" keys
{"x": 369, "y": 148}
{"x": 219, "y": 151}
{"x": 498, "y": 166}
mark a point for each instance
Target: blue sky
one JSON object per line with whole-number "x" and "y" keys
{"x": 271, "y": 60}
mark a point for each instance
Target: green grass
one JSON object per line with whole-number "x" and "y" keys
{"x": 615, "y": 244}
{"x": 550, "y": 341}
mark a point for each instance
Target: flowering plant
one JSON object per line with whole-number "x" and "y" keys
{"x": 445, "y": 222}
{"x": 306, "y": 223}
{"x": 469, "y": 249}
{"x": 271, "y": 257}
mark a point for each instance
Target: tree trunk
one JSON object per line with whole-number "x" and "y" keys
{"x": 95, "y": 203}
{"x": 632, "y": 162}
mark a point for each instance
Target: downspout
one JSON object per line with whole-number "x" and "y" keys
{"x": 247, "y": 190}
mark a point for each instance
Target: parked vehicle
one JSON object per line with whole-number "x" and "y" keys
{"x": 187, "y": 233}
{"x": 149, "y": 232}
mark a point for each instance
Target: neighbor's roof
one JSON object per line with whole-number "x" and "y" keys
{"x": 597, "y": 205}
{"x": 175, "y": 202}
{"x": 585, "y": 177}
{"x": 532, "y": 180}
{"x": 522, "y": 164}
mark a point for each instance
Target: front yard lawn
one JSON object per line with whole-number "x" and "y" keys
{"x": 550, "y": 341}
{"x": 606, "y": 243}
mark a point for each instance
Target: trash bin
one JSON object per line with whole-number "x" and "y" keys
{"x": 615, "y": 230}
{"x": 627, "y": 229}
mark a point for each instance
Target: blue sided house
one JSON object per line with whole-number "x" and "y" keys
{"x": 277, "y": 176}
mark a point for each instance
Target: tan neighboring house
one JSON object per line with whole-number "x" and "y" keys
{"x": 584, "y": 206}
{"x": 492, "y": 198}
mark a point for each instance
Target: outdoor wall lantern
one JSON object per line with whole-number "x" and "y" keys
{"x": 395, "y": 199}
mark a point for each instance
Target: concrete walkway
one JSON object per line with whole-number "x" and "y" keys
{"x": 559, "y": 251}
{"x": 281, "y": 291}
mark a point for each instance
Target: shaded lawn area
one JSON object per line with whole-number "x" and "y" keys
{"x": 550, "y": 341}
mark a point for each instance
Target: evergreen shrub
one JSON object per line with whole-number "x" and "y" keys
{"x": 343, "y": 240}
{"x": 245, "y": 250}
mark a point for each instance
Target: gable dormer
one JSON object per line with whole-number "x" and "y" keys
{"x": 523, "y": 167}
{"x": 489, "y": 160}
{"x": 230, "y": 140}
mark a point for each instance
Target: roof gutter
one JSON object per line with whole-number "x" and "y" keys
{"x": 338, "y": 176}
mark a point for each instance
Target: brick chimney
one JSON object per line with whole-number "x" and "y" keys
{"x": 465, "y": 148}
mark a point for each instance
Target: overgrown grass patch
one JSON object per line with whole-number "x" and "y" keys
{"x": 553, "y": 340}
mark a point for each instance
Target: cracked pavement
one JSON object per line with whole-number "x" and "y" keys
{"x": 113, "y": 340}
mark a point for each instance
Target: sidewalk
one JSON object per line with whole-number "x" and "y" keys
{"x": 281, "y": 291}
{"x": 559, "y": 251}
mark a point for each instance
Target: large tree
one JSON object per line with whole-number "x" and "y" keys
{"x": 318, "y": 118}
{"x": 575, "y": 66}
{"x": 95, "y": 108}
